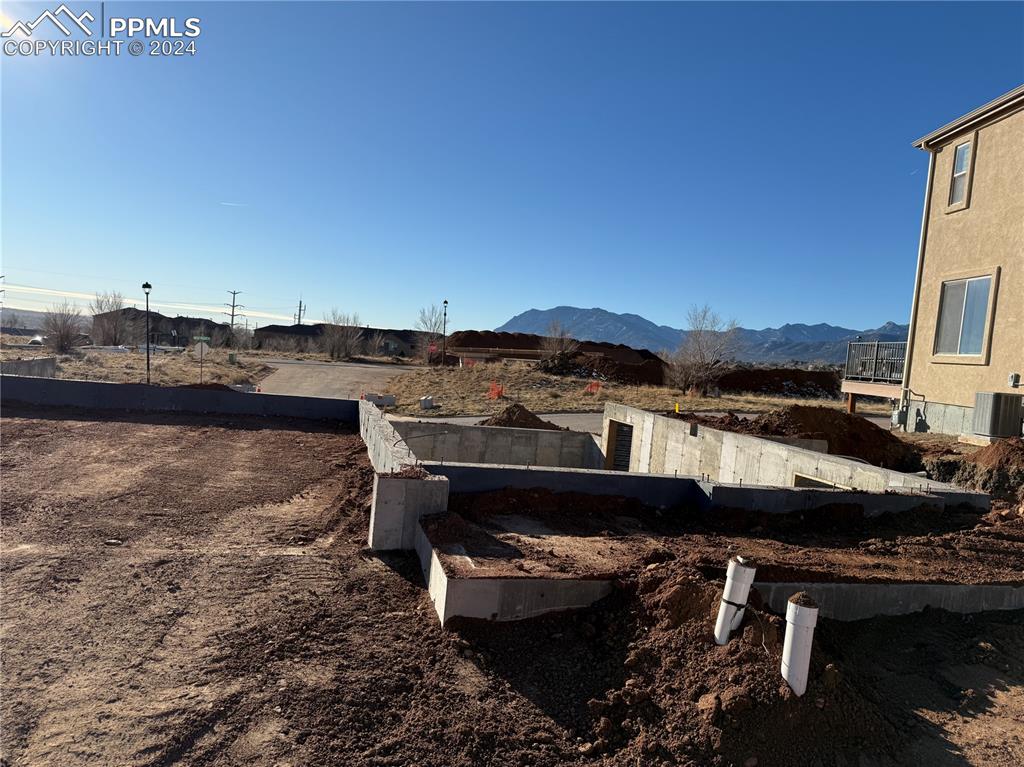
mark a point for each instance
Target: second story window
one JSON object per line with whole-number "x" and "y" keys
{"x": 961, "y": 164}
{"x": 963, "y": 311}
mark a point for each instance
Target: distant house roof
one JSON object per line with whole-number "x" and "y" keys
{"x": 1005, "y": 103}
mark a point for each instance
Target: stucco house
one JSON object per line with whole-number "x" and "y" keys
{"x": 967, "y": 317}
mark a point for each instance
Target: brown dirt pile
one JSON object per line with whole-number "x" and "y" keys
{"x": 847, "y": 435}
{"x": 997, "y": 469}
{"x": 641, "y": 680}
{"x": 787, "y": 382}
{"x": 518, "y": 417}
{"x": 602, "y": 367}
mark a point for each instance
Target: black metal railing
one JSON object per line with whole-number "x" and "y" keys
{"x": 880, "y": 361}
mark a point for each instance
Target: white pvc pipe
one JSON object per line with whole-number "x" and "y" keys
{"x": 801, "y": 617}
{"x": 738, "y": 578}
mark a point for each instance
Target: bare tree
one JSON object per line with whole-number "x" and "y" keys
{"x": 375, "y": 343}
{"x": 558, "y": 341}
{"x": 342, "y": 337}
{"x": 221, "y": 335}
{"x": 13, "y": 321}
{"x": 62, "y": 325}
{"x": 242, "y": 338}
{"x": 709, "y": 343}
{"x": 430, "y": 323}
{"x": 109, "y": 323}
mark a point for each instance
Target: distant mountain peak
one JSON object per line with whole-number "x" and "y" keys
{"x": 791, "y": 342}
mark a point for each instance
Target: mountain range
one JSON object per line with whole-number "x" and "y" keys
{"x": 789, "y": 343}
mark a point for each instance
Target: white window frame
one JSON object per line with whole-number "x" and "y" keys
{"x": 963, "y": 311}
{"x": 966, "y": 173}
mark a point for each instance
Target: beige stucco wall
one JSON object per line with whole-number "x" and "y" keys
{"x": 972, "y": 241}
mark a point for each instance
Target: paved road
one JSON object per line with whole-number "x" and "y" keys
{"x": 592, "y": 421}
{"x": 344, "y": 380}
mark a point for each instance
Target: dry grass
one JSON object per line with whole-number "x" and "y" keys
{"x": 6, "y": 353}
{"x": 463, "y": 391}
{"x": 166, "y": 369}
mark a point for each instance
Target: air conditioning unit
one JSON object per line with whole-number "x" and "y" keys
{"x": 997, "y": 414}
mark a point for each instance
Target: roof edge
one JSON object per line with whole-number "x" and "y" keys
{"x": 1006, "y": 100}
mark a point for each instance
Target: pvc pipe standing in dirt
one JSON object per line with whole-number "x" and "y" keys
{"x": 738, "y": 578}
{"x": 801, "y": 617}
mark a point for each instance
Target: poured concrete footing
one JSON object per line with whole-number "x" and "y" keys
{"x": 499, "y": 598}
{"x": 855, "y": 601}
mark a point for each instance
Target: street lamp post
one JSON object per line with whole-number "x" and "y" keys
{"x": 146, "y": 287}
{"x": 444, "y": 335}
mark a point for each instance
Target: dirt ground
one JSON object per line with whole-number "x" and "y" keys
{"x": 185, "y": 590}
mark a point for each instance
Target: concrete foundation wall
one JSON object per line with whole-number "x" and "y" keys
{"x": 649, "y": 489}
{"x": 388, "y": 453}
{"x": 44, "y": 367}
{"x": 97, "y": 395}
{"x": 662, "y": 491}
{"x": 452, "y": 443}
{"x": 785, "y": 500}
{"x": 855, "y": 601}
{"x": 664, "y": 445}
{"x": 398, "y": 503}
{"x": 939, "y": 418}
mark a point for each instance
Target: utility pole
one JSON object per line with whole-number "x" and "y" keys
{"x": 234, "y": 306}
{"x": 298, "y": 317}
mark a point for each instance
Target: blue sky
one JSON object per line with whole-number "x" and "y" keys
{"x": 380, "y": 157}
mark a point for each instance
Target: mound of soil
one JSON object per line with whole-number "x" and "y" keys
{"x": 518, "y": 417}
{"x": 787, "y": 382}
{"x": 997, "y": 469}
{"x": 847, "y": 435}
{"x": 662, "y": 692}
{"x": 588, "y": 364}
{"x": 614, "y": 361}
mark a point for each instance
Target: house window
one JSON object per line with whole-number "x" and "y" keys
{"x": 962, "y": 314}
{"x": 961, "y": 164}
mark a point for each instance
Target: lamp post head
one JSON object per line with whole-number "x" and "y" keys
{"x": 146, "y": 287}
{"x": 446, "y": 303}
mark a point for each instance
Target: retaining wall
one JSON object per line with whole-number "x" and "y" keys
{"x": 97, "y": 395}
{"x": 453, "y": 443}
{"x": 43, "y": 367}
{"x": 665, "y": 445}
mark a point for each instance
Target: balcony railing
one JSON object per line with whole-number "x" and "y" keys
{"x": 879, "y": 361}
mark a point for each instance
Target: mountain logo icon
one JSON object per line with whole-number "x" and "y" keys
{"x": 26, "y": 28}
